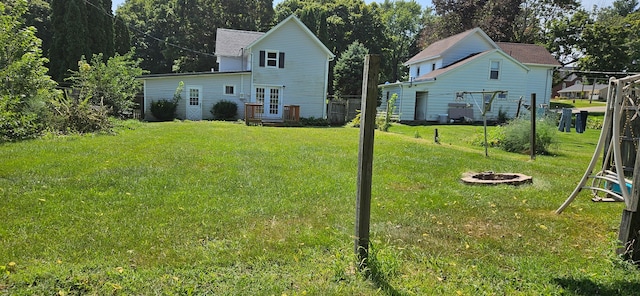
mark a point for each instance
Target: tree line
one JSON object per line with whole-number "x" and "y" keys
{"x": 179, "y": 35}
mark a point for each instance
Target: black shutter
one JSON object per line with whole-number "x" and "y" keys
{"x": 262, "y": 58}
{"x": 281, "y": 59}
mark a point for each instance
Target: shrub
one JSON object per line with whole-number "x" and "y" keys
{"x": 502, "y": 117}
{"x": 517, "y": 135}
{"x": 225, "y": 110}
{"x": 112, "y": 83}
{"x": 18, "y": 126}
{"x": 594, "y": 122}
{"x": 164, "y": 110}
{"x": 312, "y": 121}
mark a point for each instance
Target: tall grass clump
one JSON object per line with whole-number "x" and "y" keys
{"x": 517, "y": 135}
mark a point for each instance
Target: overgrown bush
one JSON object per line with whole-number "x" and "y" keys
{"x": 24, "y": 84}
{"x": 18, "y": 126}
{"x": 165, "y": 110}
{"x": 75, "y": 115}
{"x": 517, "y": 135}
{"x": 225, "y": 110}
{"x": 112, "y": 83}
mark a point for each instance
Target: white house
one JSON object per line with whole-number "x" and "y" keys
{"x": 288, "y": 65}
{"x": 583, "y": 91}
{"x": 452, "y": 78}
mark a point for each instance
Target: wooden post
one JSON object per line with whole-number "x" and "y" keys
{"x": 629, "y": 234}
{"x": 533, "y": 127}
{"x": 365, "y": 157}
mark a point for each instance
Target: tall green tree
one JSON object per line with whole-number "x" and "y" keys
{"x": 565, "y": 36}
{"x": 605, "y": 48}
{"x": 38, "y": 15}
{"x": 69, "y": 44}
{"x": 347, "y": 74}
{"x": 24, "y": 86}
{"x": 402, "y": 24}
{"x": 99, "y": 27}
{"x": 121, "y": 36}
{"x": 80, "y": 28}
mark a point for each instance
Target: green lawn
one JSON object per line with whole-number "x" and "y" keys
{"x": 577, "y": 103}
{"x": 222, "y": 208}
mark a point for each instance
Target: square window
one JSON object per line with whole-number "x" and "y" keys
{"x": 229, "y": 90}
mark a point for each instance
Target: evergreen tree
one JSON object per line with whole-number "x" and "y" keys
{"x": 80, "y": 28}
{"x": 347, "y": 74}
{"x": 69, "y": 37}
{"x": 99, "y": 27}
{"x": 121, "y": 36}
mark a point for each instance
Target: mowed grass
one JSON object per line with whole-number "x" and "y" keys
{"x": 577, "y": 103}
{"x": 222, "y": 208}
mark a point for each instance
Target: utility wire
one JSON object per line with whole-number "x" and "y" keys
{"x": 101, "y": 9}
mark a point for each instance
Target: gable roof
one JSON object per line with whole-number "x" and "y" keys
{"x": 298, "y": 22}
{"x": 528, "y": 53}
{"x": 441, "y": 46}
{"x": 231, "y": 42}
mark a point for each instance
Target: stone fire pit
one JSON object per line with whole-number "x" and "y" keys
{"x": 491, "y": 178}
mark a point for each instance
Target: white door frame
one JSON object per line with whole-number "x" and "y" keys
{"x": 193, "y": 107}
{"x": 272, "y": 100}
{"x": 421, "y": 105}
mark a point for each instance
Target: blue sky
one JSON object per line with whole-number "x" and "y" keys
{"x": 586, "y": 3}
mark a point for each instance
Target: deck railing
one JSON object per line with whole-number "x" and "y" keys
{"x": 253, "y": 114}
{"x": 291, "y": 113}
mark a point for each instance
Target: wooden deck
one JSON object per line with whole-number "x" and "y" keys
{"x": 253, "y": 115}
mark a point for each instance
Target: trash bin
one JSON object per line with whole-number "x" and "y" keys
{"x": 442, "y": 118}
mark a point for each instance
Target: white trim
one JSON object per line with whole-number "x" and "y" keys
{"x": 491, "y": 61}
{"x": 267, "y": 59}
{"x": 188, "y": 105}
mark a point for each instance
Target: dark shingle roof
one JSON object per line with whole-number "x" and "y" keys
{"x": 231, "y": 42}
{"x": 528, "y": 53}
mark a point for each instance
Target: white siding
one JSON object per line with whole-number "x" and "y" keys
{"x": 304, "y": 74}
{"x": 233, "y": 64}
{"x": 540, "y": 83}
{"x": 158, "y": 88}
{"x": 425, "y": 67}
{"x": 472, "y": 77}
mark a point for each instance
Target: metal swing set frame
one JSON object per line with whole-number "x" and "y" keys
{"x": 609, "y": 183}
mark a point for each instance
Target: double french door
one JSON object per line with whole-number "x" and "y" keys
{"x": 271, "y": 99}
